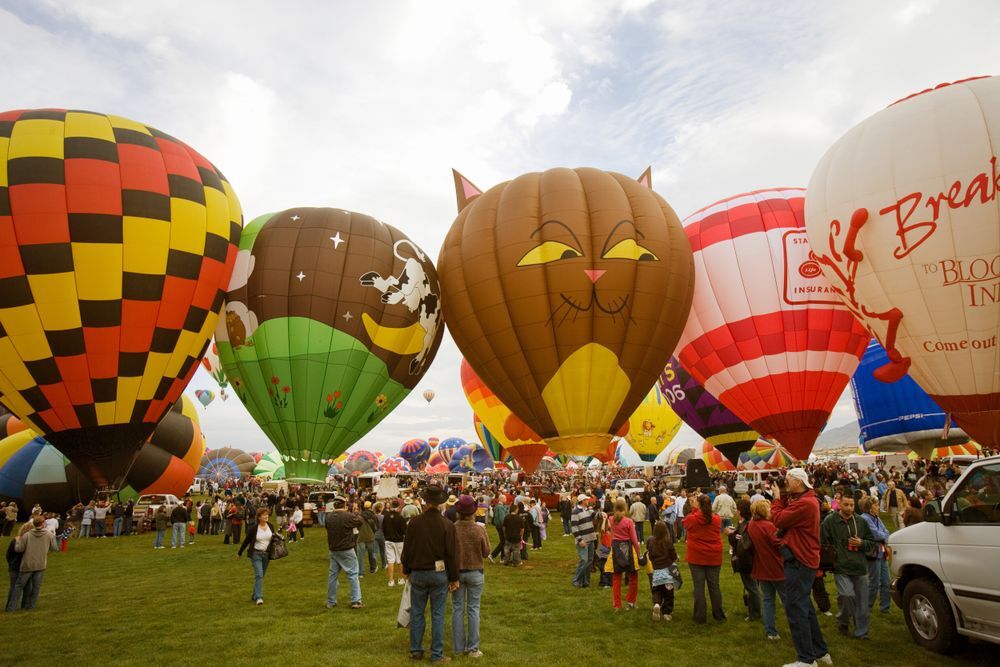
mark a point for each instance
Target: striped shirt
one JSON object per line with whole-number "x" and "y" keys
{"x": 582, "y": 524}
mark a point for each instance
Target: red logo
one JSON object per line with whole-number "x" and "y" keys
{"x": 809, "y": 269}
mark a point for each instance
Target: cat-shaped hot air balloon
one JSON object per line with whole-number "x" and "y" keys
{"x": 566, "y": 290}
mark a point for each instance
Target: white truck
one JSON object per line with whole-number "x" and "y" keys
{"x": 945, "y": 573}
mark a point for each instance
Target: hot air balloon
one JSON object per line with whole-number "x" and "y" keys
{"x": 118, "y": 242}
{"x": 437, "y": 468}
{"x": 447, "y": 448}
{"x": 513, "y": 436}
{"x": 470, "y": 457}
{"x": 34, "y": 472}
{"x": 168, "y": 461}
{"x": 415, "y": 452}
{"x": 394, "y": 464}
{"x": 212, "y": 364}
{"x": 433, "y": 442}
{"x": 765, "y": 455}
{"x": 652, "y": 426}
{"x": 360, "y": 462}
{"x": 713, "y": 458}
{"x": 704, "y": 413}
{"x": 270, "y": 466}
{"x": 899, "y": 416}
{"x": 350, "y": 323}
{"x": 204, "y": 396}
{"x": 903, "y": 218}
{"x": 567, "y": 290}
{"x": 767, "y": 335}
{"x": 492, "y": 445}
{"x": 428, "y": 395}
{"x": 548, "y": 464}
{"x": 969, "y": 448}
{"x": 225, "y": 464}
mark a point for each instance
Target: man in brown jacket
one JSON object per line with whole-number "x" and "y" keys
{"x": 893, "y": 503}
{"x": 35, "y": 543}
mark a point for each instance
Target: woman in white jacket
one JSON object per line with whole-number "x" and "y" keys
{"x": 297, "y": 520}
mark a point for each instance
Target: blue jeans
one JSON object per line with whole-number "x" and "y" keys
{"x": 322, "y": 518}
{"x": 98, "y": 527}
{"x": 380, "y": 551}
{"x": 85, "y": 530}
{"x": 177, "y": 536}
{"x": 639, "y": 529}
{"x": 118, "y": 525}
{"x": 366, "y": 547}
{"x": 852, "y": 602}
{"x": 768, "y": 589}
{"x": 878, "y": 584}
{"x": 29, "y": 584}
{"x": 259, "y": 562}
{"x": 802, "y": 621}
{"x": 585, "y": 555}
{"x": 347, "y": 561}
{"x": 465, "y": 603}
{"x": 159, "y": 538}
{"x": 428, "y": 585}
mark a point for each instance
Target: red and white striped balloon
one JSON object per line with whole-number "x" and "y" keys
{"x": 767, "y": 334}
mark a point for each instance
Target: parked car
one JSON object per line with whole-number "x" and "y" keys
{"x": 544, "y": 493}
{"x": 944, "y": 570}
{"x": 198, "y": 486}
{"x": 147, "y": 504}
{"x": 629, "y": 487}
{"x": 746, "y": 480}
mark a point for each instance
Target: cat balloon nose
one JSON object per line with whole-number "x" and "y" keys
{"x": 594, "y": 274}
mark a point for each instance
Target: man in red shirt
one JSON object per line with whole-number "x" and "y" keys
{"x": 797, "y": 520}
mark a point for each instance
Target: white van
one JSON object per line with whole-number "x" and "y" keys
{"x": 944, "y": 569}
{"x": 748, "y": 480}
{"x": 198, "y": 486}
{"x": 629, "y": 487}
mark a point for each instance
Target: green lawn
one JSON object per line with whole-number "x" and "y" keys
{"x": 117, "y": 601}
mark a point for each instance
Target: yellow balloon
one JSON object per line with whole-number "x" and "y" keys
{"x": 652, "y": 426}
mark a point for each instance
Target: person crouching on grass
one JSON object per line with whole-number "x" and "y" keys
{"x": 258, "y": 539}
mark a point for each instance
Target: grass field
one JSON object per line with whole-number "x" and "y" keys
{"x": 118, "y": 601}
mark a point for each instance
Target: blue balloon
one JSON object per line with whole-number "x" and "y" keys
{"x": 898, "y": 416}
{"x": 471, "y": 457}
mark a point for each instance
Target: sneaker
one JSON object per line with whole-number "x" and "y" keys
{"x": 442, "y": 659}
{"x": 656, "y": 612}
{"x": 826, "y": 659}
{"x": 400, "y": 582}
{"x": 475, "y": 654}
{"x": 774, "y": 637}
{"x": 331, "y": 605}
{"x": 629, "y": 606}
{"x": 828, "y": 613}
{"x": 392, "y": 583}
{"x": 491, "y": 558}
{"x": 357, "y": 605}
{"x": 417, "y": 656}
{"x": 173, "y": 547}
{"x": 260, "y": 601}
{"x": 182, "y": 546}
{"x": 668, "y": 617}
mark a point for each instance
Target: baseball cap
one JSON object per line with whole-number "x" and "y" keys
{"x": 582, "y": 497}
{"x": 799, "y": 474}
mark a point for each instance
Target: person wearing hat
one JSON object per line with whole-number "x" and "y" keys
{"x": 472, "y": 545}
{"x": 430, "y": 563}
{"x": 449, "y": 512}
{"x": 410, "y": 508}
{"x": 341, "y": 536}
{"x": 797, "y": 519}
{"x": 582, "y": 528}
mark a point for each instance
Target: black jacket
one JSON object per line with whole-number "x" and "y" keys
{"x": 252, "y": 537}
{"x": 179, "y": 514}
{"x": 394, "y": 527}
{"x": 341, "y": 530}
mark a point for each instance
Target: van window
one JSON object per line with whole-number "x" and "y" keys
{"x": 977, "y": 499}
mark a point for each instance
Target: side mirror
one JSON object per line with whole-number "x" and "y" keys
{"x": 946, "y": 519}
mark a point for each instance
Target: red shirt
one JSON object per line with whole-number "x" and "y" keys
{"x": 799, "y": 519}
{"x": 624, "y": 531}
{"x": 704, "y": 540}
{"x": 768, "y": 565}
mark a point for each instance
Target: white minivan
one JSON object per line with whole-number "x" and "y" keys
{"x": 945, "y": 573}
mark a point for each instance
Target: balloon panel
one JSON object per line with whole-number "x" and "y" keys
{"x": 492, "y": 445}
{"x": 903, "y": 219}
{"x": 897, "y": 416}
{"x": 653, "y": 425}
{"x": 120, "y": 242}
{"x": 331, "y": 319}
{"x": 567, "y": 290}
{"x": 767, "y": 334}
{"x": 704, "y": 413}
{"x": 214, "y": 367}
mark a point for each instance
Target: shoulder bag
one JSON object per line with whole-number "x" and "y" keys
{"x": 277, "y": 548}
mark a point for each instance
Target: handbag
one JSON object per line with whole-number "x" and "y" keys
{"x": 622, "y": 556}
{"x": 277, "y": 548}
{"x": 403, "y": 615}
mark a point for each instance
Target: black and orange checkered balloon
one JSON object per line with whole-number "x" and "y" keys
{"x": 117, "y": 242}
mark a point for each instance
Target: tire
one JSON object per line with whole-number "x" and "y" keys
{"x": 929, "y": 616}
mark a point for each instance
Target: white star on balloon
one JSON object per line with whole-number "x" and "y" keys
{"x": 300, "y": 276}
{"x": 295, "y": 218}
{"x": 336, "y": 240}
{"x": 348, "y": 316}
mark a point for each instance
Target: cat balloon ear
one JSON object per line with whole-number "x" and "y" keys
{"x": 465, "y": 191}
{"x": 646, "y": 178}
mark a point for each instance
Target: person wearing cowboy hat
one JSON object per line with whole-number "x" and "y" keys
{"x": 430, "y": 563}
{"x": 449, "y": 512}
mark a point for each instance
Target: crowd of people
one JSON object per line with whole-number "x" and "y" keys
{"x": 783, "y": 538}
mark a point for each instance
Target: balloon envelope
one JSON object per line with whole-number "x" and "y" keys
{"x": 898, "y": 416}
{"x": 225, "y": 464}
{"x": 492, "y": 445}
{"x": 331, "y": 319}
{"x": 212, "y": 364}
{"x": 704, "y": 413}
{"x": 204, "y": 396}
{"x": 567, "y": 290}
{"x": 415, "y": 452}
{"x": 394, "y": 464}
{"x": 428, "y": 395}
{"x": 118, "y": 243}
{"x": 652, "y": 426}
{"x": 903, "y": 218}
{"x": 270, "y": 466}
{"x": 470, "y": 457}
{"x": 767, "y": 335}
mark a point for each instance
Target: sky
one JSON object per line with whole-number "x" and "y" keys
{"x": 368, "y": 106}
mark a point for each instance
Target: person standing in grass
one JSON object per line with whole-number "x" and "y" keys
{"x": 622, "y": 534}
{"x": 341, "y": 537}
{"x": 178, "y": 519}
{"x": 34, "y": 543}
{"x": 797, "y": 520}
{"x": 394, "y": 529}
{"x": 878, "y": 567}
{"x": 471, "y": 545}
{"x": 637, "y": 511}
{"x": 852, "y": 539}
{"x": 257, "y": 540}
{"x": 704, "y": 557}
{"x": 768, "y": 568}
{"x": 582, "y": 528}
{"x": 88, "y": 520}
{"x": 661, "y": 554}
{"x": 380, "y": 534}
{"x": 431, "y": 564}
{"x": 500, "y": 512}
{"x": 751, "y": 592}
{"x": 160, "y": 520}
{"x": 513, "y": 532}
